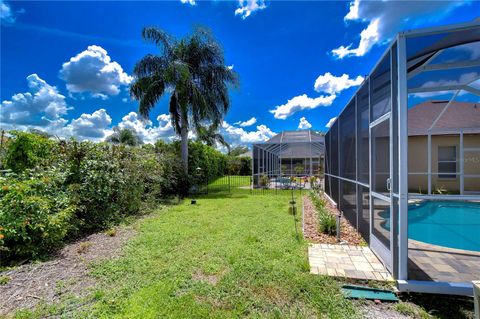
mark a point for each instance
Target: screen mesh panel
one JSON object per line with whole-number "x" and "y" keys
{"x": 363, "y": 145}
{"x": 349, "y": 202}
{"x": 347, "y": 142}
{"x": 334, "y": 148}
{"x": 380, "y": 89}
{"x": 364, "y": 212}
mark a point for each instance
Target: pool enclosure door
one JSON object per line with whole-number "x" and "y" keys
{"x": 380, "y": 192}
{"x": 383, "y": 131}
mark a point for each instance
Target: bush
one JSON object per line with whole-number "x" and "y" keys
{"x": 239, "y": 166}
{"x": 57, "y": 189}
{"x": 99, "y": 190}
{"x": 35, "y": 215}
{"x": 212, "y": 163}
{"x": 27, "y": 150}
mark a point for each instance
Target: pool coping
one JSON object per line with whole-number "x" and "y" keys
{"x": 427, "y": 246}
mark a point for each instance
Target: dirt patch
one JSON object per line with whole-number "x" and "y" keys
{"x": 348, "y": 234}
{"x": 211, "y": 279}
{"x": 370, "y": 309}
{"x": 65, "y": 274}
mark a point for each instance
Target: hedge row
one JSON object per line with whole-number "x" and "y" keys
{"x": 54, "y": 190}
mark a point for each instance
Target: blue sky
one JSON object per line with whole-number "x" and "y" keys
{"x": 66, "y": 66}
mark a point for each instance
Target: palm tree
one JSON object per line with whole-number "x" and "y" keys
{"x": 192, "y": 70}
{"x": 210, "y": 136}
{"x": 124, "y": 136}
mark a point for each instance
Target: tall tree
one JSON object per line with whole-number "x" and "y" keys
{"x": 238, "y": 150}
{"x": 210, "y": 136}
{"x": 124, "y": 136}
{"x": 193, "y": 71}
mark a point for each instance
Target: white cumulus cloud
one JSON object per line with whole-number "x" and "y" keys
{"x": 6, "y": 13}
{"x": 94, "y": 71}
{"x": 470, "y": 79}
{"x": 299, "y": 103}
{"x": 247, "y": 7}
{"x": 42, "y": 106}
{"x": 250, "y": 122}
{"x": 330, "y": 122}
{"x": 237, "y": 135}
{"x": 148, "y": 132}
{"x": 190, "y": 2}
{"x": 332, "y": 84}
{"x": 92, "y": 126}
{"x": 304, "y": 124}
{"x": 385, "y": 18}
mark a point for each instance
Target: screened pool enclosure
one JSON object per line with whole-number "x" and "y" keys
{"x": 287, "y": 155}
{"x": 403, "y": 159}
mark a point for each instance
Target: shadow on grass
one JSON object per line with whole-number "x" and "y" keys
{"x": 442, "y": 306}
{"x": 221, "y": 195}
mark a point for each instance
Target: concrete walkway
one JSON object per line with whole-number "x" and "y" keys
{"x": 347, "y": 261}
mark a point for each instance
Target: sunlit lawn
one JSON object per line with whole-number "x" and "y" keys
{"x": 229, "y": 256}
{"x": 230, "y": 184}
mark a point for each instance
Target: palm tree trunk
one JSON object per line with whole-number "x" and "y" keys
{"x": 184, "y": 137}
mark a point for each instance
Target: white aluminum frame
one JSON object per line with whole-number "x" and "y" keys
{"x": 403, "y": 196}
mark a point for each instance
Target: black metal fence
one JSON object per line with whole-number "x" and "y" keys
{"x": 247, "y": 184}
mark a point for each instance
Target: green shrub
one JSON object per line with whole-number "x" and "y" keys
{"x": 327, "y": 222}
{"x": 100, "y": 189}
{"x": 28, "y": 150}
{"x": 212, "y": 163}
{"x": 4, "y": 280}
{"x": 35, "y": 215}
{"x": 239, "y": 166}
{"x": 57, "y": 189}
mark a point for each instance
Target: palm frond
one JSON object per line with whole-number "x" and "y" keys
{"x": 150, "y": 65}
{"x": 151, "y": 95}
{"x": 161, "y": 38}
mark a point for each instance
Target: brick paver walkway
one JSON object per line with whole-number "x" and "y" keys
{"x": 346, "y": 261}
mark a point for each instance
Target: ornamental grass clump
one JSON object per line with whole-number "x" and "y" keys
{"x": 327, "y": 223}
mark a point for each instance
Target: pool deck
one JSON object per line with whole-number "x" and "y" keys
{"x": 437, "y": 263}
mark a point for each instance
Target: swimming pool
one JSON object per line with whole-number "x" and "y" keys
{"x": 444, "y": 223}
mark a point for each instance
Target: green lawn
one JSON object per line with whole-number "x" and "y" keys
{"x": 229, "y": 256}
{"x": 237, "y": 184}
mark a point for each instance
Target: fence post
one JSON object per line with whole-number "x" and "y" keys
{"x": 251, "y": 185}
{"x": 229, "y": 183}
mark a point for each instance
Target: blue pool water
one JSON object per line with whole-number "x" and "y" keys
{"x": 448, "y": 224}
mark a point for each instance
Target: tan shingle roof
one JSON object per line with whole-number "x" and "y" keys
{"x": 459, "y": 115}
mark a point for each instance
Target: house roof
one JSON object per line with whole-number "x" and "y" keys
{"x": 458, "y": 116}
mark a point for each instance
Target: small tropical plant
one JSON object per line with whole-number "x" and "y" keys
{"x": 264, "y": 180}
{"x": 441, "y": 190}
{"x": 299, "y": 169}
{"x": 327, "y": 224}
{"x": 210, "y": 136}
{"x": 124, "y": 136}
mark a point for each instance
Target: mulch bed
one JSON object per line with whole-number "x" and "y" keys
{"x": 348, "y": 234}
{"x": 65, "y": 274}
